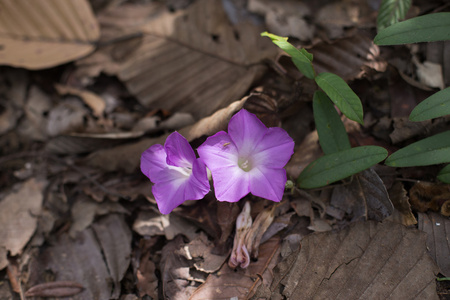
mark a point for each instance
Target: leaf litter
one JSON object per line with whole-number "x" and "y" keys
{"x": 84, "y": 220}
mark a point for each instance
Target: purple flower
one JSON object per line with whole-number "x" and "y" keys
{"x": 176, "y": 173}
{"x": 248, "y": 159}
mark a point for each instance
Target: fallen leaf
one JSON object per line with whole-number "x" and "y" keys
{"x": 19, "y": 212}
{"x": 78, "y": 260}
{"x": 175, "y": 273}
{"x": 437, "y": 228}
{"x": 241, "y": 283}
{"x": 365, "y": 197}
{"x": 147, "y": 282}
{"x": 402, "y": 213}
{"x": 202, "y": 63}
{"x": 150, "y": 223}
{"x": 426, "y": 196}
{"x": 350, "y": 58}
{"x": 367, "y": 260}
{"x": 44, "y": 33}
{"x": 199, "y": 250}
{"x": 114, "y": 236}
{"x": 55, "y": 289}
{"x": 95, "y": 102}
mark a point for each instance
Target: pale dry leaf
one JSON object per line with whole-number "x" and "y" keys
{"x": 150, "y": 223}
{"x": 202, "y": 63}
{"x": 285, "y": 18}
{"x": 45, "y": 33}
{"x": 19, "y": 212}
{"x": 368, "y": 260}
{"x": 437, "y": 228}
{"x": 66, "y": 117}
{"x": 94, "y": 101}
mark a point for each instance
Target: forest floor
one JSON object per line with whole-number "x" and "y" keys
{"x": 77, "y": 217}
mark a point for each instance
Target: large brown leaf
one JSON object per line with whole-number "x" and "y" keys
{"x": 368, "y": 260}
{"x": 193, "y": 60}
{"x": 45, "y": 33}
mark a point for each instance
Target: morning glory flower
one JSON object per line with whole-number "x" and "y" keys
{"x": 176, "y": 173}
{"x": 250, "y": 158}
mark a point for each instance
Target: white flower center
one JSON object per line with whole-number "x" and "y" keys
{"x": 245, "y": 164}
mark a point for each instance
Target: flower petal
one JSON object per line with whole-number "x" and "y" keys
{"x": 274, "y": 150}
{"x": 268, "y": 183}
{"x": 198, "y": 185}
{"x": 169, "y": 194}
{"x": 179, "y": 152}
{"x": 231, "y": 184}
{"x": 218, "y": 151}
{"x": 246, "y": 130}
{"x": 153, "y": 160}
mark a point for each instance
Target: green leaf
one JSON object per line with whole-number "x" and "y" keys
{"x": 302, "y": 59}
{"x": 332, "y": 135}
{"x": 429, "y": 151}
{"x": 444, "y": 174}
{"x": 342, "y": 95}
{"x": 333, "y": 167}
{"x": 437, "y": 105}
{"x": 428, "y": 28}
{"x": 392, "y": 11}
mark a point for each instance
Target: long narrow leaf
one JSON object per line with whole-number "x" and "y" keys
{"x": 333, "y": 167}
{"x": 429, "y": 151}
{"x": 444, "y": 174}
{"x": 332, "y": 135}
{"x": 392, "y": 11}
{"x": 302, "y": 59}
{"x": 437, "y": 105}
{"x": 342, "y": 95}
{"x": 428, "y": 28}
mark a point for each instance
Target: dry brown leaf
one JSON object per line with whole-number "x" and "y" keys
{"x": 175, "y": 272}
{"x": 305, "y": 153}
{"x": 365, "y": 197}
{"x": 242, "y": 283}
{"x": 402, "y": 213}
{"x": 150, "y": 223}
{"x": 55, "y": 289}
{"x": 79, "y": 260}
{"x": 426, "y": 196}
{"x": 348, "y": 57}
{"x": 19, "y": 212}
{"x": 199, "y": 250}
{"x": 114, "y": 236}
{"x": 368, "y": 260}
{"x": 147, "y": 282}
{"x": 437, "y": 228}
{"x": 45, "y": 33}
{"x": 202, "y": 63}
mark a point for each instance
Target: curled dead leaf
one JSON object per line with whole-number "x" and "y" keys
{"x": 55, "y": 289}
